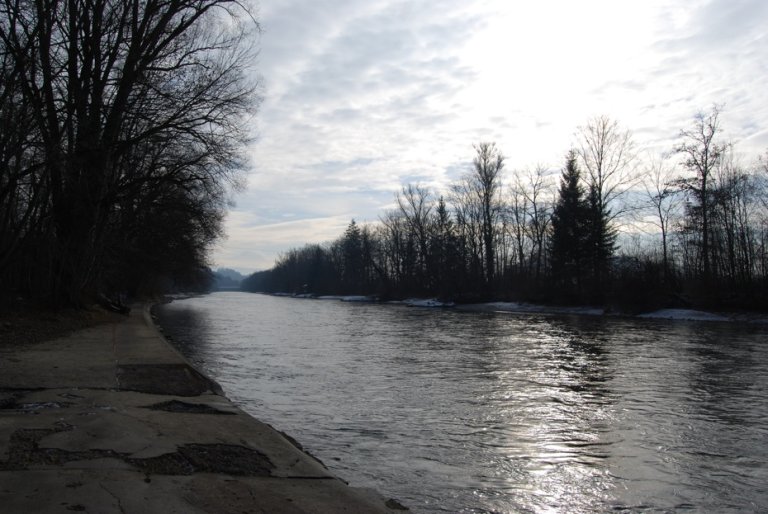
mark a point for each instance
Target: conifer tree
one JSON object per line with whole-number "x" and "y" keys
{"x": 352, "y": 254}
{"x": 445, "y": 260}
{"x": 569, "y": 226}
{"x": 599, "y": 239}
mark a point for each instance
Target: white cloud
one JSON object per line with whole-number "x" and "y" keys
{"x": 253, "y": 246}
{"x": 362, "y": 96}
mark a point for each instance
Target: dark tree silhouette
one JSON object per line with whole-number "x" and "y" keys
{"x": 570, "y": 220}
{"x": 599, "y": 241}
{"x": 121, "y": 108}
{"x": 353, "y": 263}
{"x": 663, "y": 201}
{"x": 702, "y": 155}
{"x": 566, "y": 253}
{"x": 486, "y": 180}
{"x": 607, "y": 154}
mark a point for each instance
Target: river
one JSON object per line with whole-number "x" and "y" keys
{"x": 452, "y": 411}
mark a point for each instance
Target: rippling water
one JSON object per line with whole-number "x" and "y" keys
{"x": 496, "y": 412}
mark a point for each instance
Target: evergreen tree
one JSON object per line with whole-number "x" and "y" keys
{"x": 599, "y": 240}
{"x": 445, "y": 261}
{"x": 569, "y": 226}
{"x": 352, "y": 254}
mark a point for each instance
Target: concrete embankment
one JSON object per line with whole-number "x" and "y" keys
{"x": 113, "y": 419}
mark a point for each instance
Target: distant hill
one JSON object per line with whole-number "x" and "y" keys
{"x": 226, "y": 278}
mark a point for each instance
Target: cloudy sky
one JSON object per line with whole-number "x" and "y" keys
{"x": 363, "y": 96}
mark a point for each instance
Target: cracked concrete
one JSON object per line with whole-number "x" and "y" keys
{"x": 113, "y": 419}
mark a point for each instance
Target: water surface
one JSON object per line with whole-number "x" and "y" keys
{"x": 454, "y": 411}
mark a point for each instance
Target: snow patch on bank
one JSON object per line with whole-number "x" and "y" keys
{"x": 357, "y": 298}
{"x": 426, "y": 302}
{"x": 684, "y": 314}
{"x": 533, "y": 308}
{"x": 411, "y": 302}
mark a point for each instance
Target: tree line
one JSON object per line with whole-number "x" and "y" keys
{"x": 122, "y": 132}
{"x": 687, "y": 228}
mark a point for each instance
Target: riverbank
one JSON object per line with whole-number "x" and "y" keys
{"x": 678, "y": 314}
{"x": 112, "y": 419}
{"x": 660, "y": 314}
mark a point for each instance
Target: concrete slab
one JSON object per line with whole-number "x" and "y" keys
{"x": 82, "y": 362}
{"x": 137, "y": 345}
{"x": 91, "y": 491}
{"x": 177, "y": 378}
{"x": 126, "y": 492}
{"x": 112, "y": 419}
{"x": 125, "y": 423}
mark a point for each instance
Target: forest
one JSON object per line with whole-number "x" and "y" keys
{"x": 608, "y": 227}
{"x": 123, "y": 129}
{"x": 124, "y": 126}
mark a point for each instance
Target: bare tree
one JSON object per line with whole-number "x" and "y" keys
{"x": 127, "y": 96}
{"x": 607, "y": 154}
{"x": 469, "y": 220}
{"x": 415, "y": 204}
{"x": 734, "y": 220}
{"x": 21, "y": 186}
{"x": 518, "y": 214}
{"x": 702, "y": 154}
{"x": 664, "y": 201}
{"x": 540, "y": 195}
{"x": 392, "y": 232}
{"x": 486, "y": 182}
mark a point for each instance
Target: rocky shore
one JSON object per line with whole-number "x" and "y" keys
{"x": 112, "y": 419}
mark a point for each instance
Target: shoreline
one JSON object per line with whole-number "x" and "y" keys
{"x": 665, "y": 314}
{"x": 112, "y": 418}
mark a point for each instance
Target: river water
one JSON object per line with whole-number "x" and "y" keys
{"x": 453, "y": 411}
